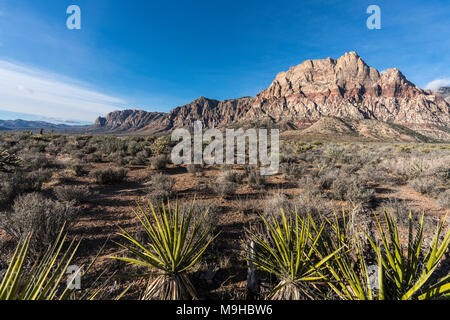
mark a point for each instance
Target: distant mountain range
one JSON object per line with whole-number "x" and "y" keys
{"x": 343, "y": 92}
{"x": 21, "y": 125}
{"x": 345, "y": 88}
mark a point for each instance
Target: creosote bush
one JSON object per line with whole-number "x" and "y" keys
{"x": 162, "y": 189}
{"x": 158, "y": 162}
{"x": 109, "y": 176}
{"x": 255, "y": 179}
{"x": 41, "y": 216}
{"x": 77, "y": 194}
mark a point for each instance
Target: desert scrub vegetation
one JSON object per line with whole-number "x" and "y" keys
{"x": 288, "y": 249}
{"x": 255, "y": 179}
{"x": 18, "y": 183}
{"x": 158, "y": 162}
{"x": 109, "y": 176}
{"x": 224, "y": 185}
{"x": 402, "y": 273}
{"x": 162, "y": 189}
{"x": 175, "y": 244}
{"x": 305, "y": 253}
{"x": 8, "y": 161}
{"x": 45, "y": 278}
{"x": 76, "y": 194}
{"x": 43, "y": 217}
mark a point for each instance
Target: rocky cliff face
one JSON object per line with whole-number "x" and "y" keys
{"x": 445, "y": 93}
{"x": 343, "y": 88}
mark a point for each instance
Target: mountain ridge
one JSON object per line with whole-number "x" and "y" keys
{"x": 345, "y": 88}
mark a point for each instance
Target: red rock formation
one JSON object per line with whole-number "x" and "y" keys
{"x": 343, "y": 88}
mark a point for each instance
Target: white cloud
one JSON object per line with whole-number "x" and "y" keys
{"x": 436, "y": 84}
{"x": 29, "y": 90}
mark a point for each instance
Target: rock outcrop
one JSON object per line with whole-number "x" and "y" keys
{"x": 444, "y": 92}
{"x": 342, "y": 88}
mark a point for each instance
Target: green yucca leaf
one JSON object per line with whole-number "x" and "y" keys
{"x": 290, "y": 251}
{"x": 403, "y": 274}
{"x": 43, "y": 280}
{"x": 175, "y": 244}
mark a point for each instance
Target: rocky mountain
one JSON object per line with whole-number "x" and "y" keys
{"x": 19, "y": 125}
{"x": 445, "y": 93}
{"x": 343, "y": 88}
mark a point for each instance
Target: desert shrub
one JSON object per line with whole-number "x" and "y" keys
{"x": 326, "y": 179}
{"x": 359, "y": 192}
{"x": 160, "y": 146}
{"x": 444, "y": 199}
{"x": 19, "y": 183}
{"x": 311, "y": 201}
{"x": 208, "y": 213}
{"x": 352, "y": 189}
{"x": 90, "y": 149}
{"x": 292, "y": 170}
{"x": 223, "y": 189}
{"x": 137, "y": 161}
{"x": 255, "y": 179}
{"x": 95, "y": 157}
{"x": 318, "y": 169}
{"x": 41, "y": 216}
{"x": 194, "y": 168}
{"x": 40, "y": 177}
{"x": 442, "y": 172}
{"x": 121, "y": 161}
{"x": 162, "y": 181}
{"x": 35, "y": 161}
{"x": 8, "y": 161}
{"x": 373, "y": 173}
{"x": 230, "y": 176}
{"x": 78, "y": 169}
{"x": 162, "y": 189}
{"x": 141, "y": 157}
{"x": 158, "y": 197}
{"x": 76, "y": 194}
{"x": 335, "y": 153}
{"x": 77, "y": 155}
{"x": 109, "y": 176}
{"x": 111, "y": 144}
{"x": 134, "y": 147}
{"x": 158, "y": 162}
{"x": 274, "y": 204}
{"x": 423, "y": 185}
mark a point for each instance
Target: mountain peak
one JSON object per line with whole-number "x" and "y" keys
{"x": 343, "y": 88}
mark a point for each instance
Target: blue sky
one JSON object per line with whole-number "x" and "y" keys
{"x": 156, "y": 55}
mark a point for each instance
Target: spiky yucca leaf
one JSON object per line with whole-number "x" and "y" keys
{"x": 289, "y": 251}
{"x": 347, "y": 273}
{"x": 176, "y": 243}
{"x": 43, "y": 281}
{"x": 406, "y": 272}
{"x": 402, "y": 273}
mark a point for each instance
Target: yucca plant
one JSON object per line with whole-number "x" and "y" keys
{"x": 175, "y": 244}
{"x": 348, "y": 273}
{"x": 402, "y": 273}
{"x": 406, "y": 272}
{"x": 43, "y": 281}
{"x": 288, "y": 249}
